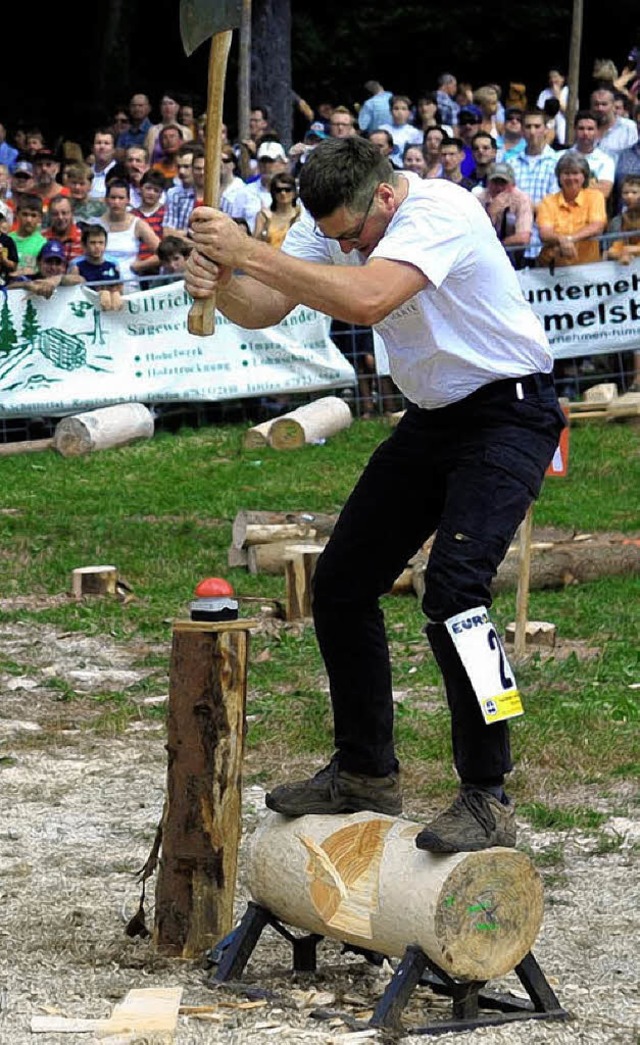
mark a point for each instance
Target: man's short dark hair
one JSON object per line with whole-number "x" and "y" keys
{"x": 156, "y": 178}
{"x": 342, "y": 172}
{"x": 584, "y": 114}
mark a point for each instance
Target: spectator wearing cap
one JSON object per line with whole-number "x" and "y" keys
{"x": 271, "y": 160}
{"x": 513, "y": 140}
{"x": 63, "y": 228}
{"x": 300, "y": 150}
{"x": 469, "y": 120}
{"x": 375, "y": 110}
{"x": 22, "y": 184}
{"x": 51, "y": 272}
{"x": 509, "y": 210}
{"x": 8, "y": 154}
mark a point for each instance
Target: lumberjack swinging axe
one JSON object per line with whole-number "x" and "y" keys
{"x": 199, "y": 20}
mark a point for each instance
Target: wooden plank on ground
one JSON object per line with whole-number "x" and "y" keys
{"x": 149, "y": 1010}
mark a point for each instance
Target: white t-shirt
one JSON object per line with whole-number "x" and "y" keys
{"x": 471, "y": 325}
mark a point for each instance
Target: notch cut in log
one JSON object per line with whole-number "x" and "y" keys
{"x": 201, "y": 829}
{"x": 102, "y": 429}
{"x": 360, "y": 879}
{"x": 94, "y": 580}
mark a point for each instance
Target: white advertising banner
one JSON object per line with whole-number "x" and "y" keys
{"x": 586, "y": 309}
{"x": 65, "y": 354}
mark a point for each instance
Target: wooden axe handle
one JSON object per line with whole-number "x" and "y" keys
{"x": 201, "y": 319}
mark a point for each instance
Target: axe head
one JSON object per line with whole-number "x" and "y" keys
{"x": 202, "y": 19}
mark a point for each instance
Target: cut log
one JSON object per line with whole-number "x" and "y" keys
{"x": 201, "y": 830}
{"x": 309, "y": 424}
{"x": 536, "y": 633}
{"x": 248, "y": 525}
{"x": 102, "y": 429}
{"x": 257, "y": 436}
{"x": 361, "y": 880}
{"x": 299, "y": 566}
{"x": 554, "y": 565}
{"x": 270, "y": 558}
{"x": 94, "y": 580}
{"x": 603, "y": 393}
{"x": 25, "y": 446}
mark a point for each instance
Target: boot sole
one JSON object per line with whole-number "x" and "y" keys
{"x": 319, "y": 808}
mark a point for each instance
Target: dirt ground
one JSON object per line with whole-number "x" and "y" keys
{"x": 78, "y": 815}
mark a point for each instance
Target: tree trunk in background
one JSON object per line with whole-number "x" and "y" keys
{"x": 113, "y": 71}
{"x": 271, "y": 63}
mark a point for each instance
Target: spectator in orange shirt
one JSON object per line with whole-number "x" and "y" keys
{"x": 569, "y": 219}
{"x": 171, "y": 138}
{"x": 63, "y": 228}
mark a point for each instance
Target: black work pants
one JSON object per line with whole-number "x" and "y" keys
{"x": 468, "y": 471}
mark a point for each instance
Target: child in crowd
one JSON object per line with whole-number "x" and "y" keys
{"x": 173, "y": 253}
{"x": 95, "y": 268}
{"x": 28, "y": 236}
{"x": 78, "y": 178}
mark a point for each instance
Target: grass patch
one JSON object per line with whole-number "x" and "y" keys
{"x": 162, "y": 510}
{"x": 543, "y": 817}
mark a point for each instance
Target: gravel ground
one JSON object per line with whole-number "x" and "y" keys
{"x": 78, "y": 816}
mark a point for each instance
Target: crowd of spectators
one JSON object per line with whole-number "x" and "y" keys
{"x": 118, "y": 214}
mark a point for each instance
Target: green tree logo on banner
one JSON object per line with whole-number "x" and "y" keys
{"x": 30, "y": 325}
{"x": 8, "y": 336}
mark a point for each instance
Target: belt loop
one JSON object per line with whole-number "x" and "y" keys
{"x": 519, "y": 390}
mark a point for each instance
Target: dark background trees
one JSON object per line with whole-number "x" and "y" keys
{"x": 70, "y": 69}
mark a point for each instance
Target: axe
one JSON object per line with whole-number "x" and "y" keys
{"x": 199, "y": 20}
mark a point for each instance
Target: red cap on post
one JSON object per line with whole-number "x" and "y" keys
{"x": 213, "y": 586}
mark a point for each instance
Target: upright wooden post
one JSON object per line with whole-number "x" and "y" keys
{"x": 202, "y": 823}
{"x": 522, "y": 593}
{"x": 299, "y": 566}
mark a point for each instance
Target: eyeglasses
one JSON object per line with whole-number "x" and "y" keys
{"x": 350, "y": 237}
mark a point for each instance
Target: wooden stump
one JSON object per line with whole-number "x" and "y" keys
{"x": 361, "y": 880}
{"x": 255, "y": 527}
{"x": 299, "y": 566}
{"x": 271, "y": 558}
{"x": 102, "y": 429}
{"x": 202, "y": 823}
{"x": 94, "y": 580}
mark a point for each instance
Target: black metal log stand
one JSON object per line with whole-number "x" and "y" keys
{"x": 472, "y": 1005}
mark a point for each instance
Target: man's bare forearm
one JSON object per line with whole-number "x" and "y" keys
{"x": 251, "y": 304}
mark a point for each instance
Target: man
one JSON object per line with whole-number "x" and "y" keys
{"x": 22, "y": 184}
{"x": 375, "y": 110}
{"x": 513, "y": 140}
{"x": 451, "y": 157}
{"x": 51, "y": 272}
{"x": 171, "y": 139}
{"x": 248, "y": 147}
{"x": 382, "y": 141}
{"x": 628, "y": 163}
{"x": 448, "y": 108}
{"x": 509, "y": 209}
{"x": 271, "y": 160}
{"x": 483, "y": 149}
{"x": 104, "y": 162}
{"x": 8, "y": 154}
{"x": 46, "y": 168}
{"x": 236, "y": 198}
{"x": 342, "y": 123}
{"x": 601, "y": 164}
{"x": 139, "y": 125}
{"x": 136, "y": 165}
{"x": 469, "y": 122}
{"x": 535, "y": 170}
{"x": 63, "y": 228}
{"x": 181, "y": 198}
{"x": 615, "y": 133}
{"x": 418, "y": 259}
